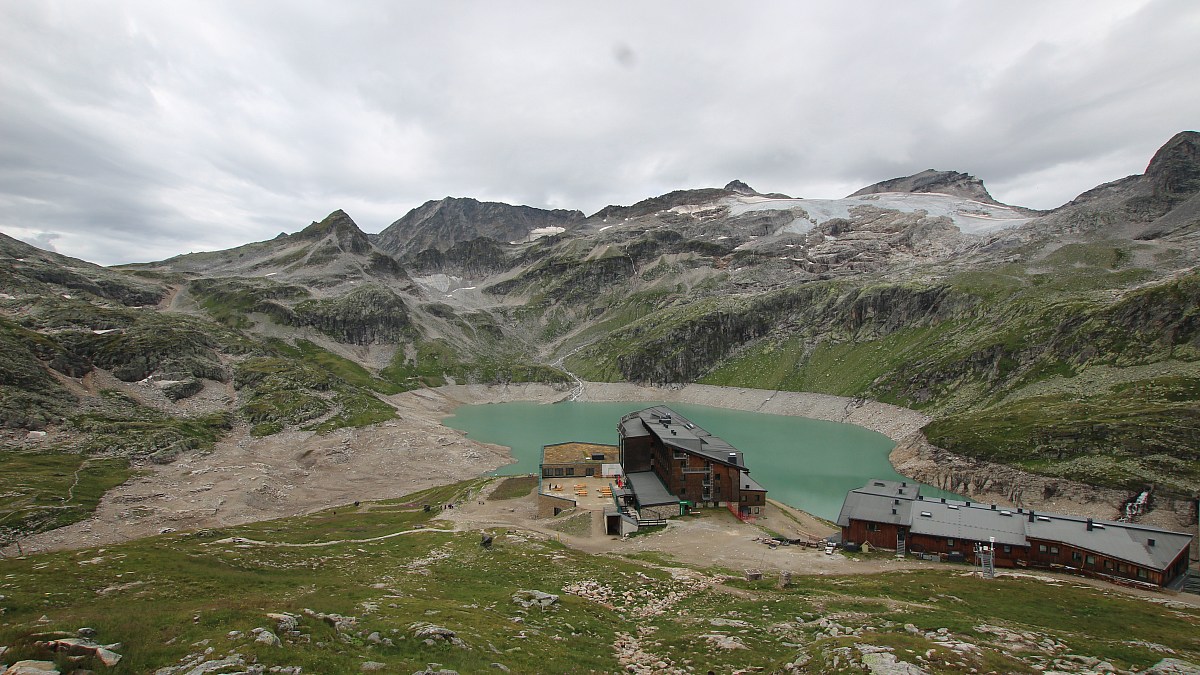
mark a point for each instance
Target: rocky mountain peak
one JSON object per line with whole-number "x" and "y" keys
{"x": 1174, "y": 171}
{"x": 931, "y": 180}
{"x": 740, "y": 188}
{"x": 442, "y": 223}
{"x": 342, "y": 228}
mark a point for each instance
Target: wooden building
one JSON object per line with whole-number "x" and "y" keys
{"x": 694, "y": 466}
{"x": 894, "y": 515}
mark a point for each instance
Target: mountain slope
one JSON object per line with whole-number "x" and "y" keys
{"x": 443, "y": 223}
{"x": 1063, "y": 342}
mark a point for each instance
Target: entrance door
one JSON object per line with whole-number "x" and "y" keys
{"x": 613, "y": 525}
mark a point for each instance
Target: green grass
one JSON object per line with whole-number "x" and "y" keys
{"x": 515, "y": 487}
{"x": 43, "y": 491}
{"x": 1128, "y": 436}
{"x": 338, "y": 366}
{"x": 384, "y": 564}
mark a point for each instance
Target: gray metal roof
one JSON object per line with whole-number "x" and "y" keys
{"x": 975, "y": 522}
{"x": 874, "y": 508}
{"x": 1126, "y": 541}
{"x": 632, "y": 427}
{"x": 649, "y": 489}
{"x": 676, "y": 431}
{"x": 875, "y": 502}
{"x": 748, "y": 483}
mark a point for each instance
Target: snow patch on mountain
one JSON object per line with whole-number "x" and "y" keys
{"x": 969, "y": 216}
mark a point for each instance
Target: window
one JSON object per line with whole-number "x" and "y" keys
{"x": 1091, "y": 560}
{"x": 1041, "y": 548}
{"x": 1108, "y": 564}
{"x": 1141, "y": 574}
{"x": 872, "y": 527}
{"x": 950, "y": 542}
{"x": 683, "y": 491}
{"x": 1076, "y": 556}
{"x": 570, "y": 471}
{"x": 1121, "y": 568}
{"x": 558, "y": 471}
{"x": 1054, "y": 550}
{"x": 1007, "y": 548}
{"x": 680, "y": 455}
{"x": 591, "y": 471}
{"x": 547, "y": 473}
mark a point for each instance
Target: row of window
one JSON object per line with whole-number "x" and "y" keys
{"x": 569, "y": 471}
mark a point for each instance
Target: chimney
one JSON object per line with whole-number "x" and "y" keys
{"x": 966, "y": 503}
{"x": 993, "y": 507}
{"x": 943, "y": 500}
{"x": 1031, "y": 515}
{"x": 1089, "y": 524}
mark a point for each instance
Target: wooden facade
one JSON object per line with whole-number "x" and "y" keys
{"x": 693, "y": 465}
{"x": 892, "y": 515}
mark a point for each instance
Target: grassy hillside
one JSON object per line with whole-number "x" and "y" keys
{"x": 365, "y": 584}
{"x": 1075, "y": 366}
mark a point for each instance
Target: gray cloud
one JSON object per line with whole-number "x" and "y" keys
{"x": 139, "y": 130}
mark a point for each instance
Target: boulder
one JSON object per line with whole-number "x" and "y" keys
{"x": 84, "y": 647}
{"x": 432, "y": 634}
{"x": 266, "y": 637}
{"x": 32, "y": 668}
{"x": 534, "y": 598}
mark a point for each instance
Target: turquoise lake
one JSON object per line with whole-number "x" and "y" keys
{"x": 809, "y": 464}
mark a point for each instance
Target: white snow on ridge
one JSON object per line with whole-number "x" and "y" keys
{"x": 971, "y": 217}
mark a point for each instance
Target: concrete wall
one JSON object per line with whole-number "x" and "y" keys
{"x": 547, "y": 504}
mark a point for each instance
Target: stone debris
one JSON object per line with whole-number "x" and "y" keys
{"x": 634, "y": 658}
{"x": 30, "y": 667}
{"x": 432, "y": 634}
{"x": 881, "y": 661}
{"x": 341, "y": 624}
{"x": 84, "y": 647}
{"x": 266, "y": 637}
{"x": 1173, "y": 667}
{"x": 197, "y": 664}
{"x": 284, "y": 623}
{"x": 724, "y": 641}
{"x": 529, "y": 599}
{"x": 372, "y": 666}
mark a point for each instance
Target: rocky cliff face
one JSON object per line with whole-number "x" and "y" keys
{"x": 931, "y": 180}
{"x": 443, "y": 223}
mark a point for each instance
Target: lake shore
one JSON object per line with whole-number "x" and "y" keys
{"x": 892, "y": 421}
{"x": 913, "y": 457}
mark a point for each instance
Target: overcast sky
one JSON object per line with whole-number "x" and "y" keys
{"x": 137, "y": 131}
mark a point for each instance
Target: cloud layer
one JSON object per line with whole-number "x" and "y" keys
{"x": 137, "y": 131}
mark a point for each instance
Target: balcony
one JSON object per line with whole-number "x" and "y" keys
{"x": 706, "y": 470}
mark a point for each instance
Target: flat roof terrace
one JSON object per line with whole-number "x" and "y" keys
{"x": 579, "y": 453}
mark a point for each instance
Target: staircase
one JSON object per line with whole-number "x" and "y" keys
{"x": 901, "y": 547}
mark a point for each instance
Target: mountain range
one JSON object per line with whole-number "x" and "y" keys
{"x": 1062, "y": 342}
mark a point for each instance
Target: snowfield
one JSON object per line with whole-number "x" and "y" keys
{"x": 971, "y": 217}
